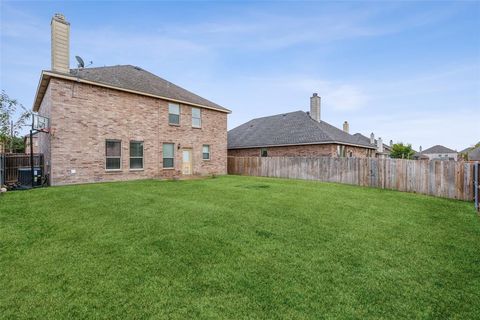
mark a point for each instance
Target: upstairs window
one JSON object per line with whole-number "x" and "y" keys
{"x": 263, "y": 152}
{"x": 196, "y": 118}
{"x": 206, "y": 152}
{"x": 173, "y": 113}
{"x": 136, "y": 155}
{"x": 168, "y": 155}
{"x": 113, "y": 153}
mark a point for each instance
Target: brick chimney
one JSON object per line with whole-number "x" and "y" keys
{"x": 379, "y": 145}
{"x": 315, "y": 107}
{"x": 60, "y": 43}
{"x": 372, "y": 138}
{"x": 346, "y": 127}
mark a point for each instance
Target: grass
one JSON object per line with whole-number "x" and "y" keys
{"x": 236, "y": 247}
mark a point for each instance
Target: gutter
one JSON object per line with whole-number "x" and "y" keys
{"x": 302, "y": 144}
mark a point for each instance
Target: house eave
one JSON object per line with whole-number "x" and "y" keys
{"x": 47, "y": 75}
{"x": 41, "y": 88}
{"x": 302, "y": 144}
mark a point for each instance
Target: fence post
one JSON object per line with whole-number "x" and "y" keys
{"x": 2, "y": 169}
{"x": 476, "y": 185}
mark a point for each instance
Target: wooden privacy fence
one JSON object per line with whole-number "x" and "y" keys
{"x": 13, "y": 161}
{"x": 448, "y": 179}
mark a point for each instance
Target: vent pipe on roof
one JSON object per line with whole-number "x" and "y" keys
{"x": 315, "y": 107}
{"x": 60, "y": 43}
{"x": 372, "y": 138}
{"x": 346, "y": 127}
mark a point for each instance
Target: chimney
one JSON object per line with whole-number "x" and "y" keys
{"x": 315, "y": 107}
{"x": 346, "y": 127}
{"x": 420, "y": 149}
{"x": 391, "y": 143}
{"x": 380, "y": 145}
{"x": 372, "y": 138}
{"x": 60, "y": 44}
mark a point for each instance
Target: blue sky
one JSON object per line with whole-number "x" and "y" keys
{"x": 408, "y": 71}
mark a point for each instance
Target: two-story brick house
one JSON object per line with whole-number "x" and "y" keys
{"x": 122, "y": 123}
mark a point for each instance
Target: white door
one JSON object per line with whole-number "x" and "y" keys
{"x": 187, "y": 161}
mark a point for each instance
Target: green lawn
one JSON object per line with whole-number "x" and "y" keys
{"x": 236, "y": 247}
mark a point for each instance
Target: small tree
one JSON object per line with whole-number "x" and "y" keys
{"x": 402, "y": 151}
{"x": 10, "y": 127}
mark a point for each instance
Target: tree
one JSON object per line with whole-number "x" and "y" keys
{"x": 402, "y": 151}
{"x": 13, "y": 115}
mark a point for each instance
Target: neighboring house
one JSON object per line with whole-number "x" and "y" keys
{"x": 382, "y": 150}
{"x": 295, "y": 134}
{"x": 437, "y": 152}
{"x": 122, "y": 123}
{"x": 26, "y": 141}
{"x": 471, "y": 154}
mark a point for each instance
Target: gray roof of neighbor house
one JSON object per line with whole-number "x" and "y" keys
{"x": 133, "y": 79}
{"x": 294, "y": 128}
{"x": 473, "y": 153}
{"x": 437, "y": 149}
{"x": 365, "y": 139}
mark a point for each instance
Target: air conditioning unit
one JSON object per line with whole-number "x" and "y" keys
{"x": 25, "y": 176}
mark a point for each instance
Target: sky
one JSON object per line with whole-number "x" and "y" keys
{"x": 407, "y": 71}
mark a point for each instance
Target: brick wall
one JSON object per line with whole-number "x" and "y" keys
{"x": 328, "y": 150}
{"x": 84, "y": 116}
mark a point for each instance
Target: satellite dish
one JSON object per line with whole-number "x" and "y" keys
{"x": 81, "y": 64}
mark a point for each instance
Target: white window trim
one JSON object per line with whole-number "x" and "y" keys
{"x": 200, "y": 118}
{"x": 163, "y": 157}
{"x": 130, "y": 157}
{"x": 106, "y": 157}
{"x": 209, "y": 152}
{"x": 179, "y": 114}
{"x": 261, "y": 152}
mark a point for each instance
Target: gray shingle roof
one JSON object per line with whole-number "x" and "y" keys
{"x": 437, "y": 149}
{"x": 135, "y": 78}
{"x": 365, "y": 139}
{"x": 472, "y": 152}
{"x": 288, "y": 129}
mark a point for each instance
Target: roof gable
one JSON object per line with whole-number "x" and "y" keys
{"x": 132, "y": 79}
{"x": 437, "y": 149}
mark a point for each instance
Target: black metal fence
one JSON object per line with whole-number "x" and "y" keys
{"x": 2, "y": 169}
